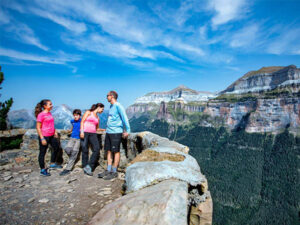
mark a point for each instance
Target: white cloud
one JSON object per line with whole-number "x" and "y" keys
{"x": 25, "y": 34}
{"x": 71, "y": 25}
{"x": 4, "y": 17}
{"x": 106, "y": 46}
{"x": 60, "y": 58}
{"x": 227, "y": 10}
{"x": 245, "y": 37}
{"x": 286, "y": 43}
{"x": 119, "y": 30}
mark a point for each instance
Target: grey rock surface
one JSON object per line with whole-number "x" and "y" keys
{"x": 143, "y": 174}
{"x": 164, "y": 203}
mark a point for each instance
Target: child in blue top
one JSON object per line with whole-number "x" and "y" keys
{"x": 73, "y": 145}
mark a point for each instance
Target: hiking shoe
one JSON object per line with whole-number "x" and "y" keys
{"x": 55, "y": 166}
{"x": 45, "y": 173}
{"x": 111, "y": 176}
{"x": 103, "y": 174}
{"x": 88, "y": 170}
{"x": 65, "y": 172}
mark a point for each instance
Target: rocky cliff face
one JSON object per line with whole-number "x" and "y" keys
{"x": 261, "y": 115}
{"x": 151, "y": 101}
{"x": 273, "y": 105}
{"x": 266, "y": 78}
{"x": 183, "y": 93}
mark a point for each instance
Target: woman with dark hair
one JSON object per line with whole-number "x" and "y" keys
{"x": 47, "y": 135}
{"x": 88, "y": 132}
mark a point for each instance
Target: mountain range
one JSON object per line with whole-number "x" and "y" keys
{"x": 266, "y": 100}
{"x": 62, "y": 114}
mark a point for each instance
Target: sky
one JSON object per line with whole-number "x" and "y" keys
{"x": 75, "y": 51}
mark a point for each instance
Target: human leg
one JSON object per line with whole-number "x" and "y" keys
{"x": 115, "y": 140}
{"x": 96, "y": 150}
{"x": 54, "y": 154}
{"x": 85, "y": 150}
{"x": 42, "y": 153}
{"x": 73, "y": 154}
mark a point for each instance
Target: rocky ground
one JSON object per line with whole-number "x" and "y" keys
{"x": 28, "y": 198}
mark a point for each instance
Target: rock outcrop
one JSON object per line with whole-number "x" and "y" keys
{"x": 264, "y": 79}
{"x": 163, "y": 184}
{"x": 258, "y": 115}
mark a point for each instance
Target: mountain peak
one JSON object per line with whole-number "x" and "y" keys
{"x": 181, "y": 93}
{"x": 266, "y": 78}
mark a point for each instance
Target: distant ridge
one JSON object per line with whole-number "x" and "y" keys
{"x": 181, "y": 93}
{"x": 266, "y": 78}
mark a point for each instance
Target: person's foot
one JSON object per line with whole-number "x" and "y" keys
{"x": 55, "y": 166}
{"x": 88, "y": 170}
{"x": 65, "y": 172}
{"x": 111, "y": 176}
{"x": 45, "y": 173}
{"x": 103, "y": 174}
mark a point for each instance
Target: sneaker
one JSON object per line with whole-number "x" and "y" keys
{"x": 45, "y": 173}
{"x": 55, "y": 166}
{"x": 65, "y": 172}
{"x": 88, "y": 170}
{"x": 111, "y": 176}
{"x": 103, "y": 174}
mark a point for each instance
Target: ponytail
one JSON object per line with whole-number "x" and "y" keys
{"x": 39, "y": 107}
{"x": 95, "y": 106}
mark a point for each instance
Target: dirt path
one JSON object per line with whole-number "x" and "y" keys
{"x": 28, "y": 198}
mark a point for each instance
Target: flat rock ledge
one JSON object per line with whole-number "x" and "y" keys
{"x": 164, "y": 203}
{"x": 164, "y": 185}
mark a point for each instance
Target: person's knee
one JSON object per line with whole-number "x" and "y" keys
{"x": 68, "y": 150}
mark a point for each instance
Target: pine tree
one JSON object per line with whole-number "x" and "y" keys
{"x": 4, "y": 106}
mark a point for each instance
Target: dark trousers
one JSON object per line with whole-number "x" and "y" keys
{"x": 43, "y": 149}
{"x": 90, "y": 138}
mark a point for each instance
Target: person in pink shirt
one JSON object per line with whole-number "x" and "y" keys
{"x": 88, "y": 132}
{"x": 47, "y": 135}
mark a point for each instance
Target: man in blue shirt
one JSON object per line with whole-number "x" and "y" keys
{"x": 117, "y": 126}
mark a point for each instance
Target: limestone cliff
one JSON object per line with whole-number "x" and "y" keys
{"x": 267, "y": 100}
{"x": 151, "y": 101}
{"x": 264, "y": 79}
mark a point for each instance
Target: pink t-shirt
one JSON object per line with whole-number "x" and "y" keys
{"x": 47, "y": 121}
{"x": 90, "y": 124}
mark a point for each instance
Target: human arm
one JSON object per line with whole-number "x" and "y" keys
{"x": 71, "y": 130}
{"x": 124, "y": 119}
{"x": 97, "y": 126}
{"x": 39, "y": 131}
{"x": 85, "y": 115}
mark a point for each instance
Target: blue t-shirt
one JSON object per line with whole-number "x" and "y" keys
{"x": 117, "y": 119}
{"x": 76, "y": 129}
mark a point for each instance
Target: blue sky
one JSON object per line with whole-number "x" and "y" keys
{"x": 75, "y": 51}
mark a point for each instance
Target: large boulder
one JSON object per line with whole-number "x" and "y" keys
{"x": 168, "y": 163}
{"x": 164, "y": 203}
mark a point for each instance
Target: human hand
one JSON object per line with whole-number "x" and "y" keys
{"x": 81, "y": 135}
{"x": 44, "y": 142}
{"x": 125, "y": 135}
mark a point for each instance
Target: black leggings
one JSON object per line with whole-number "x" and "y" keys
{"x": 43, "y": 149}
{"x": 90, "y": 138}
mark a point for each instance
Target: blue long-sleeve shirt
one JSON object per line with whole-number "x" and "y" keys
{"x": 117, "y": 119}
